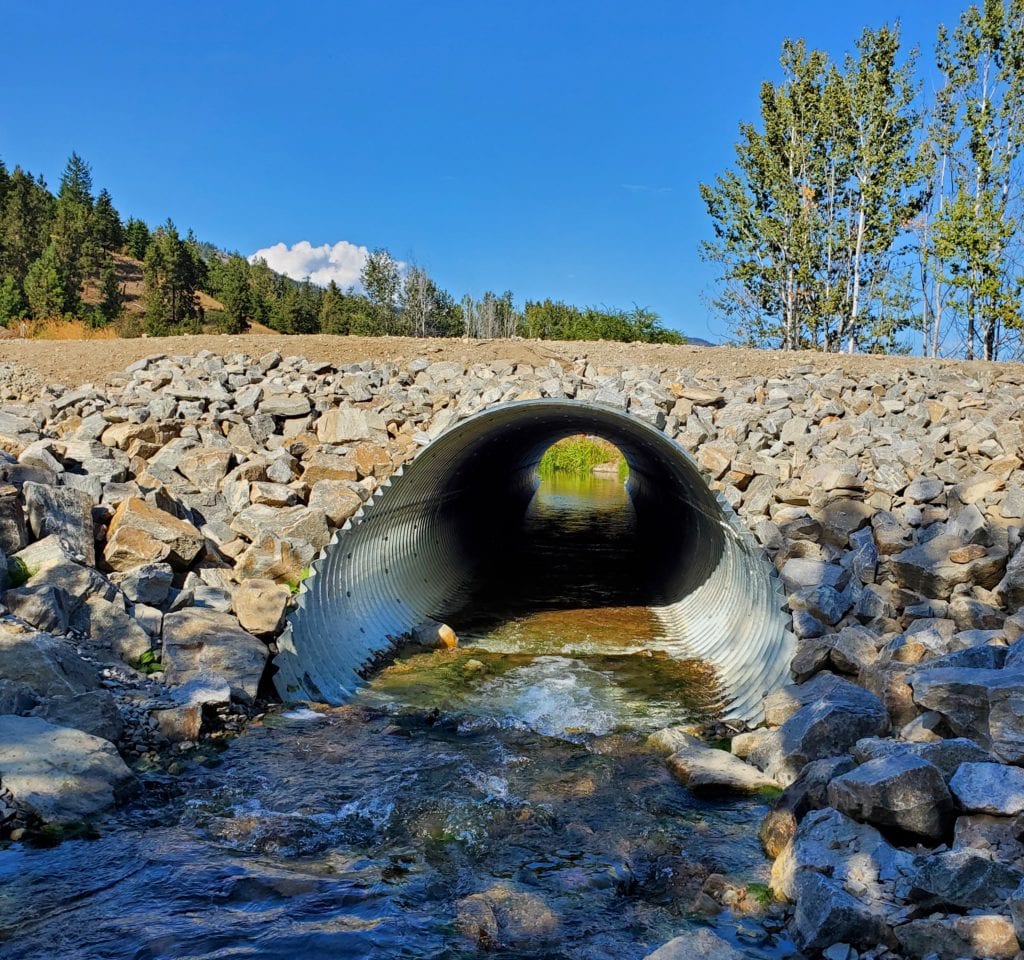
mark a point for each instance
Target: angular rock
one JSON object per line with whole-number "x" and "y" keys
{"x": 148, "y": 583}
{"x": 49, "y": 667}
{"x": 345, "y": 424}
{"x": 58, "y": 773}
{"x": 94, "y": 711}
{"x": 287, "y": 523}
{"x": 928, "y": 569}
{"x": 952, "y": 938}
{"x": 205, "y": 466}
{"x": 989, "y": 788}
{"x": 826, "y": 728}
{"x": 199, "y": 641}
{"x": 110, "y": 627}
{"x": 963, "y": 879}
{"x": 335, "y": 499}
{"x": 141, "y": 533}
{"x": 65, "y": 514}
{"x": 899, "y": 792}
{"x": 43, "y": 605}
{"x": 826, "y": 914}
{"x": 260, "y": 605}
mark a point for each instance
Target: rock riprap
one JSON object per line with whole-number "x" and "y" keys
{"x": 163, "y": 517}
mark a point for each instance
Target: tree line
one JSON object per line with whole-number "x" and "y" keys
{"x": 874, "y": 208}
{"x": 55, "y": 248}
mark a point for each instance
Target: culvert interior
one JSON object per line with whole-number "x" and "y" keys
{"x": 434, "y": 536}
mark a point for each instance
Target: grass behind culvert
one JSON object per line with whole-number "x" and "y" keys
{"x": 577, "y": 456}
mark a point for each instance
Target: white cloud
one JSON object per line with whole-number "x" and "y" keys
{"x": 342, "y": 262}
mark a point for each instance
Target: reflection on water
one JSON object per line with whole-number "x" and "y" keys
{"x": 514, "y": 767}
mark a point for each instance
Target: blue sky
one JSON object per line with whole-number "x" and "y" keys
{"x": 550, "y": 148}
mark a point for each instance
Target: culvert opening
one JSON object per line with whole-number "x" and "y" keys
{"x": 445, "y": 532}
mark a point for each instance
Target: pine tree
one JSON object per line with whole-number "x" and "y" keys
{"x": 173, "y": 277}
{"x": 47, "y": 287}
{"x": 229, "y": 283}
{"x": 108, "y": 234}
{"x": 112, "y": 296}
{"x": 12, "y": 303}
{"x": 334, "y": 317}
{"x": 136, "y": 238}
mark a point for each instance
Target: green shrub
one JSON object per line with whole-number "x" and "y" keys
{"x": 577, "y": 457}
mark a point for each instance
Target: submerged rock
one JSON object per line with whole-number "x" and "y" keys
{"x": 504, "y": 916}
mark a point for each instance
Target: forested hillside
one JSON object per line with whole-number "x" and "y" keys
{"x": 876, "y": 204}
{"x": 71, "y": 255}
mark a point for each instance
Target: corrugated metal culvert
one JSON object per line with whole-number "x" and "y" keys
{"x": 417, "y": 550}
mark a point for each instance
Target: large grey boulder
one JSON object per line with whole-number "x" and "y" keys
{"x": 986, "y": 705}
{"x": 900, "y": 792}
{"x": 94, "y": 711}
{"x": 826, "y": 913}
{"x": 201, "y": 641}
{"x": 955, "y": 937}
{"x": 57, "y": 773}
{"x": 48, "y": 666}
{"x": 45, "y": 606}
{"x": 855, "y": 854}
{"x": 962, "y": 879}
{"x": 989, "y": 788}
{"x": 828, "y": 727}
{"x": 64, "y": 513}
{"x": 111, "y": 628}
{"x": 928, "y": 568}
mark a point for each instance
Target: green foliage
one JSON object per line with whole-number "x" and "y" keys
{"x": 382, "y": 282}
{"x": 228, "y": 281}
{"x": 174, "y": 273}
{"x": 296, "y": 584}
{"x": 148, "y": 662}
{"x": 806, "y": 223}
{"x": 12, "y": 302}
{"x": 554, "y": 320}
{"x": 112, "y": 297}
{"x": 761, "y": 894}
{"x": 18, "y": 573}
{"x": 136, "y": 238}
{"x": 48, "y": 287}
{"x": 577, "y": 457}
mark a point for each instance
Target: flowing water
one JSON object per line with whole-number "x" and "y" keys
{"x": 494, "y": 800}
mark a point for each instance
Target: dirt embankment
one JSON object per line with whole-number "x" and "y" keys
{"x": 77, "y": 362}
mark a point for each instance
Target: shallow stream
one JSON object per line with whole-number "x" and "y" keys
{"x": 496, "y": 800}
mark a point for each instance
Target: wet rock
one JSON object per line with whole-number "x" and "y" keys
{"x": 952, "y": 938}
{"x": 504, "y": 916}
{"x": 698, "y": 944}
{"x": 989, "y": 788}
{"x": 260, "y": 605}
{"x": 199, "y": 641}
{"x": 434, "y": 635}
{"x": 671, "y": 739}
{"x": 900, "y": 792}
{"x": 141, "y": 533}
{"x": 702, "y": 768}
{"x": 58, "y": 773}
